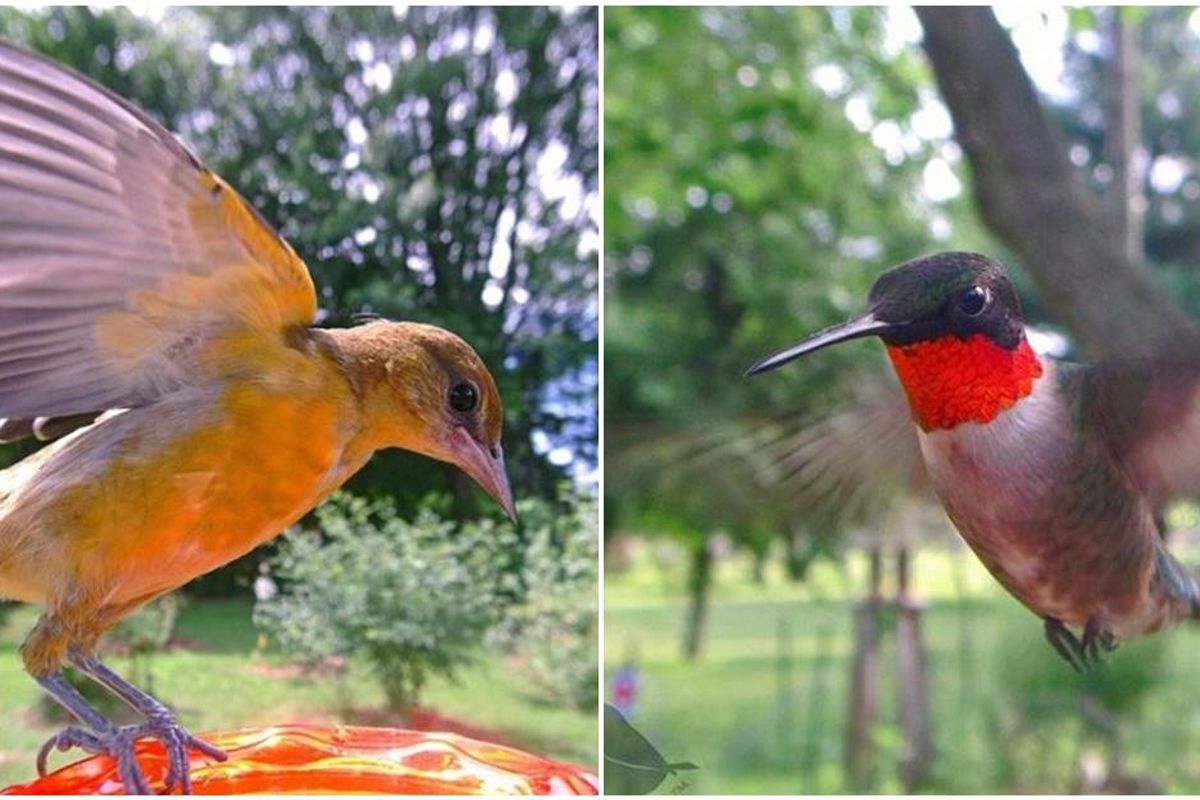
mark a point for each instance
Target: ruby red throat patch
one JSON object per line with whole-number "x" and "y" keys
{"x": 950, "y": 380}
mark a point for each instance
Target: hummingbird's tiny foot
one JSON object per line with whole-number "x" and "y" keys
{"x": 1066, "y": 644}
{"x": 1096, "y": 642}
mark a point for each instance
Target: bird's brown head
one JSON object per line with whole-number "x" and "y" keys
{"x": 425, "y": 389}
{"x": 954, "y": 330}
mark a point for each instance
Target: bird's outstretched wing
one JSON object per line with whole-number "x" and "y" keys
{"x": 121, "y": 255}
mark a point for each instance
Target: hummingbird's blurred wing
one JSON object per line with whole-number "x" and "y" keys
{"x": 121, "y": 255}
{"x": 1147, "y": 407}
{"x": 851, "y": 464}
{"x": 824, "y": 470}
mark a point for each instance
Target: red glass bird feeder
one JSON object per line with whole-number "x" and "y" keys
{"x": 309, "y": 759}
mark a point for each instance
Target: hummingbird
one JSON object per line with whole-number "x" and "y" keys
{"x": 1054, "y": 473}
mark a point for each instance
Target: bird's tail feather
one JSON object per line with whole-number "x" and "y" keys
{"x": 1177, "y": 582}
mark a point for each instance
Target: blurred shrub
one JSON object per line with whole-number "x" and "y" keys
{"x": 1053, "y": 721}
{"x": 553, "y": 628}
{"x": 415, "y": 598}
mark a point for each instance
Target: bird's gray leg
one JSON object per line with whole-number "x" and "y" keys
{"x": 160, "y": 722}
{"x": 1065, "y": 643}
{"x": 102, "y": 736}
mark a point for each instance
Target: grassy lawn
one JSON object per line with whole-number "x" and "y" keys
{"x": 225, "y": 681}
{"x": 763, "y": 709}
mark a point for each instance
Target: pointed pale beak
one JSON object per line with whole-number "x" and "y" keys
{"x": 857, "y": 328}
{"x": 486, "y": 465}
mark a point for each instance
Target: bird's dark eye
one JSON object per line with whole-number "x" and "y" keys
{"x": 463, "y": 397}
{"x": 973, "y": 300}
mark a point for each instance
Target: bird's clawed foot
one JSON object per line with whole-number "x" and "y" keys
{"x": 63, "y": 741}
{"x": 1065, "y": 643}
{"x": 98, "y": 735}
{"x": 1097, "y": 641}
{"x": 162, "y": 725}
{"x": 118, "y": 742}
{"x": 1081, "y": 655}
{"x": 115, "y": 741}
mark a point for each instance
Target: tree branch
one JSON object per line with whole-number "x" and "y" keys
{"x": 1028, "y": 193}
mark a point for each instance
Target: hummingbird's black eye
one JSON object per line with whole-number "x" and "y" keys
{"x": 973, "y": 300}
{"x": 463, "y": 397}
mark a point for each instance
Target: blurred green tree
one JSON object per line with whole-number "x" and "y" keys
{"x": 420, "y": 598}
{"x": 1083, "y": 251}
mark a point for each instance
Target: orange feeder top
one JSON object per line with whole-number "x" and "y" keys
{"x": 310, "y": 759}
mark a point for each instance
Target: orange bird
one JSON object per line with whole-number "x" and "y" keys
{"x": 139, "y": 293}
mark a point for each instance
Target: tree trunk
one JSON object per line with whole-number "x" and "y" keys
{"x": 699, "y": 580}
{"x": 758, "y": 568}
{"x": 793, "y": 560}
{"x": 1030, "y": 196}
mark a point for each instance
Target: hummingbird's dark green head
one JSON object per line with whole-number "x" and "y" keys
{"x": 958, "y": 294}
{"x": 949, "y": 294}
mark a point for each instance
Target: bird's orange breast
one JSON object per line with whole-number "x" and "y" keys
{"x": 183, "y": 491}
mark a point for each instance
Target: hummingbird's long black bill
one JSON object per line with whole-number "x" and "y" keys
{"x": 857, "y": 328}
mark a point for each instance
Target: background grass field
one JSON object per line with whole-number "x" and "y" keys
{"x": 763, "y": 709}
{"x": 221, "y": 679}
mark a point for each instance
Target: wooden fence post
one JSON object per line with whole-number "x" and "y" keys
{"x": 911, "y": 683}
{"x": 864, "y": 683}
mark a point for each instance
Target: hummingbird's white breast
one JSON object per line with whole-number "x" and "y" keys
{"x": 996, "y": 481}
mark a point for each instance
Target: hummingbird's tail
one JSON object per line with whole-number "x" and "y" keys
{"x": 1178, "y": 584}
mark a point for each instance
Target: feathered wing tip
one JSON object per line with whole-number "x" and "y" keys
{"x": 44, "y": 429}
{"x": 849, "y": 468}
